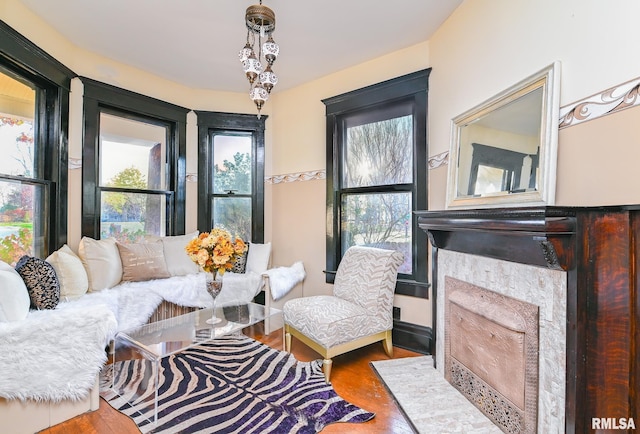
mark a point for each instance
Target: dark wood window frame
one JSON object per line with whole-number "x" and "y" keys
{"x": 411, "y": 88}
{"x": 100, "y": 97}
{"x": 213, "y": 122}
{"x": 24, "y": 59}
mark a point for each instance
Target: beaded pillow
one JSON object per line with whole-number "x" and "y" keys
{"x": 41, "y": 281}
{"x": 240, "y": 265}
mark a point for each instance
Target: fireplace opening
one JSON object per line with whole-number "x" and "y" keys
{"x": 491, "y": 353}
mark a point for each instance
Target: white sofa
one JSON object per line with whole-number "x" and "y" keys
{"x": 84, "y": 322}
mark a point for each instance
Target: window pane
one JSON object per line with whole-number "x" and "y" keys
{"x": 231, "y": 164}
{"x": 378, "y": 220}
{"x": 491, "y": 180}
{"x": 19, "y": 233}
{"x": 132, "y": 153}
{"x": 17, "y": 111}
{"x": 128, "y": 217}
{"x": 234, "y": 215}
{"x": 379, "y": 153}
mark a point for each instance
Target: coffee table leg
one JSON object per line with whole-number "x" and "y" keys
{"x": 156, "y": 381}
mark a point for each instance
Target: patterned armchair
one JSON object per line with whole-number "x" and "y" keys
{"x": 359, "y": 312}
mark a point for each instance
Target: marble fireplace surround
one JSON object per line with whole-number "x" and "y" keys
{"x": 545, "y": 288}
{"x": 597, "y": 249}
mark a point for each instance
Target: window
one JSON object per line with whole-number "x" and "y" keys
{"x": 231, "y": 174}
{"x": 134, "y": 198}
{"x": 134, "y": 159}
{"x": 376, "y": 166}
{"x": 232, "y": 183}
{"x": 34, "y": 97}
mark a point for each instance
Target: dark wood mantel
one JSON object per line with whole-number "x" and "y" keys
{"x": 599, "y": 248}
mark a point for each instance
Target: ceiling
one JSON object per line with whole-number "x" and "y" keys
{"x": 196, "y": 42}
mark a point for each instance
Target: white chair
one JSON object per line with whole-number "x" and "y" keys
{"x": 359, "y": 312}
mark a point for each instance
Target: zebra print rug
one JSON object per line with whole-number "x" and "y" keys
{"x": 231, "y": 385}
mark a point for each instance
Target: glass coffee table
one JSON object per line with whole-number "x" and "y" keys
{"x": 150, "y": 343}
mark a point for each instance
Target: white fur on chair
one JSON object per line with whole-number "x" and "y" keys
{"x": 283, "y": 279}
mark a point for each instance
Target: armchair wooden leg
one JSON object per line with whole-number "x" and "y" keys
{"x": 388, "y": 344}
{"x": 287, "y": 342}
{"x": 326, "y": 368}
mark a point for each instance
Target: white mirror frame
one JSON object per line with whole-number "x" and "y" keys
{"x": 549, "y": 80}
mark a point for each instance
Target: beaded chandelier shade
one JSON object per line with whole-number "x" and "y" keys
{"x": 261, "y": 22}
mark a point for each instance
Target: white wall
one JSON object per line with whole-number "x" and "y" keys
{"x": 487, "y": 46}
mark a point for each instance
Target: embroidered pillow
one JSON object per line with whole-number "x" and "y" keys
{"x": 142, "y": 261}
{"x": 240, "y": 265}
{"x": 41, "y": 281}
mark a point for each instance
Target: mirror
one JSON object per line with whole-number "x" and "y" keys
{"x": 504, "y": 151}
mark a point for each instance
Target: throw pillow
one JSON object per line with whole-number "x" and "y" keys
{"x": 240, "y": 265}
{"x": 71, "y": 274}
{"x": 258, "y": 258}
{"x": 142, "y": 261}
{"x": 14, "y": 297}
{"x": 101, "y": 260}
{"x": 178, "y": 262}
{"x": 41, "y": 281}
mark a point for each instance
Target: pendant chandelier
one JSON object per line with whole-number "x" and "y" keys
{"x": 261, "y": 22}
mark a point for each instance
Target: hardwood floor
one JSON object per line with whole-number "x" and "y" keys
{"x": 352, "y": 378}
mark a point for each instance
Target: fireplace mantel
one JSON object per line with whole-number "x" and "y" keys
{"x": 599, "y": 249}
{"x": 534, "y": 236}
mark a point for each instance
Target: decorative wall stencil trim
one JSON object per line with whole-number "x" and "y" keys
{"x": 438, "y": 160}
{"x": 192, "y": 177}
{"x": 609, "y": 101}
{"x": 299, "y": 176}
{"x": 75, "y": 163}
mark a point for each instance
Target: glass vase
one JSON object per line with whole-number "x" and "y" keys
{"x": 214, "y": 286}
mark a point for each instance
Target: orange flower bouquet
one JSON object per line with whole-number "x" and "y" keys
{"x": 215, "y": 251}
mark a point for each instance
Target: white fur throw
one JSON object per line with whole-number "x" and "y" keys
{"x": 54, "y": 355}
{"x": 283, "y": 279}
{"x": 132, "y": 303}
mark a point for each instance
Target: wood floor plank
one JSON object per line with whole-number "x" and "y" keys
{"x": 351, "y": 376}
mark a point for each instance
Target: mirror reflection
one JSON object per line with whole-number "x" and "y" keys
{"x": 504, "y": 151}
